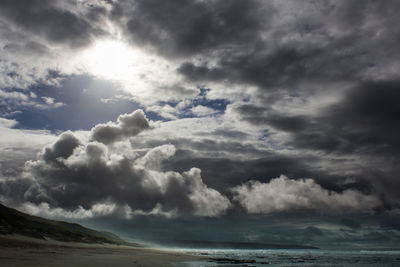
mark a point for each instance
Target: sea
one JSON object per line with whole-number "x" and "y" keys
{"x": 294, "y": 257}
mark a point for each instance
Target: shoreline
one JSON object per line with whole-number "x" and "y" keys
{"x": 25, "y": 251}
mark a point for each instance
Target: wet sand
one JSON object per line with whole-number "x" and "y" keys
{"x": 22, "y": 251}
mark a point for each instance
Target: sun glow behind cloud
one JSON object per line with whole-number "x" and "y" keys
{"x": 112, "y": 59}
{"x": 139, "y": 73}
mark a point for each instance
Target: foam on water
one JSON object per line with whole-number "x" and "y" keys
{"x": 287, "y": 258}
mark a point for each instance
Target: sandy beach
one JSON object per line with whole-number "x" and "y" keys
{"x": 22, "y": 251}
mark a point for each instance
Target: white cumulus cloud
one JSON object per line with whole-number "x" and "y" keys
{"x": 283, "y": 194}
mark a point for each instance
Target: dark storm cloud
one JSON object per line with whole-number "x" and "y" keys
{"x": 127, "y": 125}
{"x": 287, "y": 66}
{"x": 264, "y": 115}
{"x": 321, "y": 43}
{"x": 364, "y": 125}
{"x": 366, "y": 121}
{"x": 29, "y": 48}
{"x": 49, "y": 20}
{"x": 228, "y": 163}
{"x": 185, "y": 27}
{"x": 284, "y": 67}
{"x": 63, "y": 148}
{"x": 75, "y": 175}
{"x": 221, "y": 173}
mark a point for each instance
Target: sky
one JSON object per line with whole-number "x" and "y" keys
{"x": 225, "y": 120}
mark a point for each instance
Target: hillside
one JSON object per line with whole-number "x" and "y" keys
{"x": 16, "y": 222}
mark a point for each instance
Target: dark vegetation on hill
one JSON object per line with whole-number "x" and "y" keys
{"x": 13, "y": 222}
